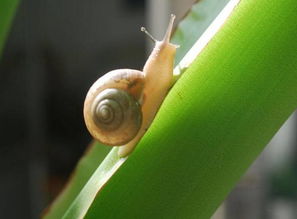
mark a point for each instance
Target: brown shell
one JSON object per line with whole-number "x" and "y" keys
{"x": 117, "y": 93}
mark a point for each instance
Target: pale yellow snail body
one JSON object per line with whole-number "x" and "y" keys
{"x": 145, "y": 90}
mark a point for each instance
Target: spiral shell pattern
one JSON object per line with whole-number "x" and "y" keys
{"x": 116, "y": 115}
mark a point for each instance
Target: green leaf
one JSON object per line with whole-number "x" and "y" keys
{"x": 7, "y": 10}
{"x": 213, "y": 124}
{"x": 215, "y": 121}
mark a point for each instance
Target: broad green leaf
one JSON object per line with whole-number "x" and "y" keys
{"x": 213, "y": 124}
{"x": 215, "y": 121}
{"x": 7, "y": 10}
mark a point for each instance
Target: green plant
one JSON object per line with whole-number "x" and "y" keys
{"x": 7, "y": 10}
{"x": 215, "y": 121}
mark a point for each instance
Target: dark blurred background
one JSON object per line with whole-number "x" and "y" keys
{"x": 55, "y": 50}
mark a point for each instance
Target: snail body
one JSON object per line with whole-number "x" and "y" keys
{"x": 145, "y": 92}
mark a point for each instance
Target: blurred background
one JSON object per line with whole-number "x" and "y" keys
{"x": 54, "y": 52}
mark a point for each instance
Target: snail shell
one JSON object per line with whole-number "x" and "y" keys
{"x": 112, "y": 109}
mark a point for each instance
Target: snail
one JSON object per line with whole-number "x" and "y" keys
{"x": 121, "y": 105}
